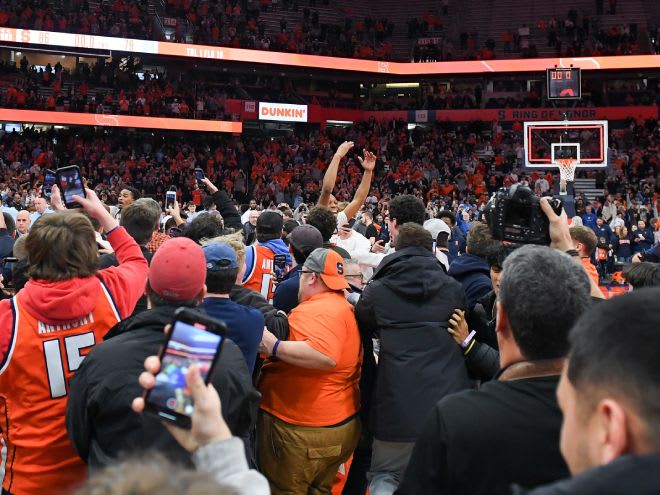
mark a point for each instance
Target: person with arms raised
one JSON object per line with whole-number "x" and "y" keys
{"x": 46, "y": 330}
{"x": 328, "y": 199}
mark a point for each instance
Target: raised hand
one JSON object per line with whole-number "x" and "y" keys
{"x": 369, "y": 161}
{"x": 344, "y": 148}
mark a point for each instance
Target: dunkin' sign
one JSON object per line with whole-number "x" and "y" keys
{"x": 282, "y": 112}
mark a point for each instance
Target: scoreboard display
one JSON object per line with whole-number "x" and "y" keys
{"x": 564, "y": 84}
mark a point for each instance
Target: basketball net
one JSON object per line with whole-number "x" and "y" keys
{"x": 567, "y": 168}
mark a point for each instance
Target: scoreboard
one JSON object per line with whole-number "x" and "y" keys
{"x": 564, "y": 84}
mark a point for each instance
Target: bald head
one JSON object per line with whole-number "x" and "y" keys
{"x": 23, "y": 222}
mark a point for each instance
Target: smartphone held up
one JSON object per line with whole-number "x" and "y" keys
{"x": 70, "y": 182}
{"x": 194, "y": 339}
{"x": 199, "y": 177}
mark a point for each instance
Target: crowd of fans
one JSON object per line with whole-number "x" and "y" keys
{"x": 241, "y": 24}
{"x": 579, "y": 34}
{"x": 117, "y": 18}
{"x": 378, "y": 335}
{"x": 114, "y": 87}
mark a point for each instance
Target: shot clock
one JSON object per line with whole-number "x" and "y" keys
{"x": 564, "y": 84}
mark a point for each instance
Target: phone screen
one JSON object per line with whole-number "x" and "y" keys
{"x": 50, "y": 179}
{"x": 70, "y": 183}
{"x": 199, "y": 175}
{"x": 188, "y": 344}
{"x": 170, "y": 198}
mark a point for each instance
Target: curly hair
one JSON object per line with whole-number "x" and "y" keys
{"x": 407, "y": 208}
{"x": 323, "y": 219}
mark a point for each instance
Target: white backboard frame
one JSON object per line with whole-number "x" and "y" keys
{"x": 555, "y": 124}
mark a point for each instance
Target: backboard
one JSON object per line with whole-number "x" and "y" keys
{"x": 582, "y": 140}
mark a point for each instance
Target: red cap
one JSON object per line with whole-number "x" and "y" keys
{"x": 178, "y": 270}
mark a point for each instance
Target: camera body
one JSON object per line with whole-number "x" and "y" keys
{"x": 515, "y": 215}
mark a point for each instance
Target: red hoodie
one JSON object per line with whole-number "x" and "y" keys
{"x": 56, "y": 302}
{"x": 45, "y": 332}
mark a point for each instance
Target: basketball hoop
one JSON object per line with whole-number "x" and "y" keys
{"x": 567, "y": 168}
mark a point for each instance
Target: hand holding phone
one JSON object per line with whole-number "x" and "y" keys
{"x": 194, "y": 341}
{"x": 199, "y": 176}
{"x": 50, "y": 179}
{"x": 170, "y": 199}
{"x": 207, "y": 423}
{"x": 70, "y": 182}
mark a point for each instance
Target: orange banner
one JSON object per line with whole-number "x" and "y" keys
{"x": 82, "y": 41}
{"x": 70, "y": 118}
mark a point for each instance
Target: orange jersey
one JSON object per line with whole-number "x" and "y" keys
{"x": 34, "y": 379}
{"x": 260, "y": 271}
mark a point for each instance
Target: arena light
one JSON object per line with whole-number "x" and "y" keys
{"x": 97, "y": 119}
{"x": 401, "y": 85}
{"x": 27, "y": 37}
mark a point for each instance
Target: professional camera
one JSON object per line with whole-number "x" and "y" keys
{"x": 515, "y": 215}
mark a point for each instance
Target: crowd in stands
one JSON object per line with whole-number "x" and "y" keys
{"x": 118, "y": 18}
{"x": 241, "y": 24}
{"x": 443, "y": 167}
{"x": 577, "y": 35}
{"x": 106, "y": 87}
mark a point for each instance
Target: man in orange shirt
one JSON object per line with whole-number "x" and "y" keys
{"x": 308, "y": 423}
{"x": 584, "y": 240}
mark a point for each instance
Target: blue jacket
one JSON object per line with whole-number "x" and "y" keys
{"x": 647, "y": 243}
{"x": 604, "y": 231}
{"x": 653, "y": 254}
{"x": 589, "y": 220}
{"x": 474, "y": 275}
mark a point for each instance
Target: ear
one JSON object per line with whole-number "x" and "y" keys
{"x": 202, "y": 294}
{"x": 502, "y": 323}
{"x": 613, "y": 430}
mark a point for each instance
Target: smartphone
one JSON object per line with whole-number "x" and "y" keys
{"x": 70, "y": 182}
{"x": 194, "y": 338}
{"x": 50, "y": 179}
{"x": 199, "y": 175}
{"x": 279, "y": 260}
{"x": 170, "y": 199}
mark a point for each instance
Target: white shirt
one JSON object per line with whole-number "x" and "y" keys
{"x": 354, "y": 242}
{"x": 442, "y": 258}
{"x": 342, "y": 219}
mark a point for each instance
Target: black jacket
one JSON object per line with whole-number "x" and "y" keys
{"x": 407, "y": 304}
{"x": 101, "y": 424}
{"x": 231, "y": 218}
{"x": 277, "y": 322}
{"x": 483, "y": 360}
{"x": 482, "y": 441}
{"x": 639, "y": 475}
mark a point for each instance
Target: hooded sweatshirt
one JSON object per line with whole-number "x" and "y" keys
{"x": 64, "y": 318}
{"x": 407, "y": 305}
{"x": 474, "y": 275}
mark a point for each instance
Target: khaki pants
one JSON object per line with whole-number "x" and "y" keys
{"x": 303, "y": 460}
